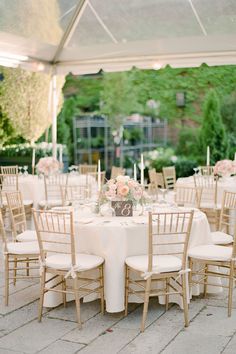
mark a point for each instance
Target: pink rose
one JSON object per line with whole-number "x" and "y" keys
{"x": 123, "y": 190}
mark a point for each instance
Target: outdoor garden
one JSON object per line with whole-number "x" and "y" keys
{"x": 205, "y": 117}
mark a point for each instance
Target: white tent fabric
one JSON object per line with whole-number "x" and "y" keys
{"x": 115, "y": 35}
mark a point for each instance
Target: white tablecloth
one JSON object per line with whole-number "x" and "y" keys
{"x": 224, "y": 184}
{"x": 32, "y": 187}
{"x": 117, "y": 238}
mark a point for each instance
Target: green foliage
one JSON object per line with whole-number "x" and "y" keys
{"x": 213, "y": 132}
{"x": 188, "y": 143}
{"x": 118, "y": 98}
{"x": 7, "y": 132}
{"x": 184, "y": 166}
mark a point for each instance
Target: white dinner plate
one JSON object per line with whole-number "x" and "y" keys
{"x": 85, "y": 221}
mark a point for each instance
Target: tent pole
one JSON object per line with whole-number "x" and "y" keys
{"x": 54, "y": 116}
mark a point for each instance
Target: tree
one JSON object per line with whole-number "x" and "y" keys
{"x": 117, "y": 98}
{"x": 213, "y": 132}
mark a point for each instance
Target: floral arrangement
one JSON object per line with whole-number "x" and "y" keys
{"x": 122, "y": 188}
{"x": 225, "y": 168}
{"x": 41, "y": 149}
{"x": 48, "y": 166}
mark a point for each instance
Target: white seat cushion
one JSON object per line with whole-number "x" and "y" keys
{"x": 83, "y": 261}
{"x": 23, "y": 247}
{"x": 161, "y": 264}
{"x": 28, "y": 202}
{"x": 221, "y": 238}
{"x": 56, "y": 202}
{"x": 211, "y": 252}
{"x": 27, "y": 236}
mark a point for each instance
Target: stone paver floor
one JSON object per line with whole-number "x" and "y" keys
{"x": 210, "y": 330}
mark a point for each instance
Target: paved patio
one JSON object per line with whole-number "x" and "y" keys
{"x": 210, "y": 330}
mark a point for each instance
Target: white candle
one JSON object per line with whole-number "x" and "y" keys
{"x": 235, "y": 156}
{"x": 208, "y": 156}
{"x": 142, "y": 170}
{"x": 99, "y": 175}
{"x": 60, "y": 154}
{"x": 33, "y": 158}
{"x": 135, "y": 172}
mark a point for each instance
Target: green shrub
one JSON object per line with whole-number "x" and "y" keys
{"x": 184, "y": 167}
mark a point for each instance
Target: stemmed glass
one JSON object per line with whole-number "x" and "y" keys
{"x": 20, "y": 170}
{"x": 25, "y": 168}
{"x": 196, "y": 170}
{"x": 163, "y": 191}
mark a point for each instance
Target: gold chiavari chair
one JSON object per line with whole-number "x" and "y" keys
{"x": 84, "y": 169}
{"x": 58, "y": 257}
{"x": 206, "y": 170}
{"x": 16, "y": 253}
{"x": 9, "y": 170}
{"x": 72, "y": 193}
{"x": 187, "y": 196}
{"x": 117, "y": 171}
{"x": 10, "y": 183}
{"x": 18, "y": 218}
{"x": 91, "y": 176}
{"x": 169, "y": 175}
{"x": 208, "y": 201}
{"x": 156, "y": 178}
{"x": 222, "y": 257}
{"x": 224, "y": 236}
{"x": 165, "y": 262}
{"x": 52, "y": 188}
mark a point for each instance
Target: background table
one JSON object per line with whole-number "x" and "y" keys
{"x": 32, "y": 187}
{"x": 224, "y": 184}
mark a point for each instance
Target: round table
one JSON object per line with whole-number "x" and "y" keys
{"x": 32, "y": 187}
{"x": 114, "y": 239}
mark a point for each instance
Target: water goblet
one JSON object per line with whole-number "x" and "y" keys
{"x": 25, "y": 168}
{"x": 163, "y": 191}
{"x": 196, "y": 170}
{"x": 20, "y": 170}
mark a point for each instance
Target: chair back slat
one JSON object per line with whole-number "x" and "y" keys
{"x": 52, "y": 185}
{"x": 84, "y": 169}
{"x": 9, "y": 170}
{"x": 17, "y": 212}
{"x": 169, "y": 175}
{"x": 2, "y": 233}
{"x": 55, "y": 233}
{"x": 208, "y": 184}
{"x": 227, "y": 222}
{"x": 117, "y": 171}
{"x": 206, "y": 170}
{"x": 169, "y": 235}
{"x": 188, "y": 196}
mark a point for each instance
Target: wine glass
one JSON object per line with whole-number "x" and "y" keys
{"x": 163, "y": 192}
{"x": 196, "y": 170}
{"x": 25, "y": 168}
{"x": 20, "y": 170}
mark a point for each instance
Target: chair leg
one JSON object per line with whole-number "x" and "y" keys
{"x": 101, "y": 274}
{"x": 146, "y": 302}
{"x": 77, "y": 301}
{"x": 15, "y": 271}
{"x": 231, "y": 286}
{"x": 167, "y": 295}
{"x": 42, "y": 286}
{"x": 6, "y": 279}
{"x": 27, "y": 267}
{"x": 64, "y": 293}
{"x": 205, "y": 280}
{"x": 185, "y": 302}
{"x": 126, "y": 288}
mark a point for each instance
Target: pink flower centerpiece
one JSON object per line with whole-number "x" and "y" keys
{"x": 122, "y": 188}
{"x": 225, "y": 168}
{"x": 48, "y": 166}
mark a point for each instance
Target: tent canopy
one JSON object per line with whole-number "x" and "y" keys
{"x": 85, "y": 36}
